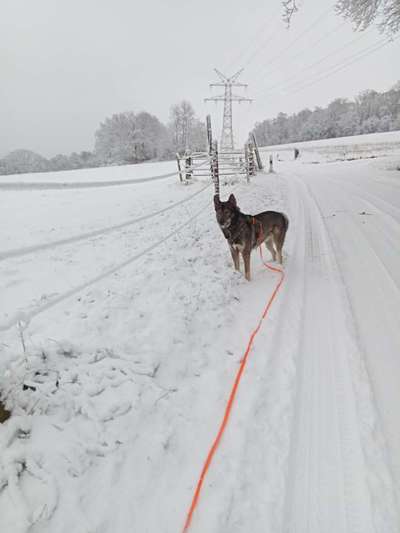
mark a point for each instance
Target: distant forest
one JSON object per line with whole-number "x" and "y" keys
{"x": 122, "y": 139}
{"x": 370, "y": 112}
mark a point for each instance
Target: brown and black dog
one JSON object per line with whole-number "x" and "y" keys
{"x": 246, "y": 232}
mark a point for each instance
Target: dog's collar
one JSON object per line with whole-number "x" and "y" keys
{"x": 256, "y": 222}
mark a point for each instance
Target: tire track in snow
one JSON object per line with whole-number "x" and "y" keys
{"x": 18, "y": 252}
{"x": 235, "y": 491}
{"x": 375, "y": 371}
{"x": 387, "y": 207}
{"x": 265, "y": 407}
{"x": 334, "y": 450}
{"x": 48, "y": 185}
{"x": 385, "y": 225}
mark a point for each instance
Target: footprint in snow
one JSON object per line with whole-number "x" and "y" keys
{"x": 116, "y": 411}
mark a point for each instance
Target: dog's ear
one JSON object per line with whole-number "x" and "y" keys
{"x": 232, "y": 200}
{"x": 217, "y": 201}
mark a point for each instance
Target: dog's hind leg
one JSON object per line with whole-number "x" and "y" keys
{"x": 278, "y": 241}
{"x": 269, "y": 244}
{"x": 246, "y": 260}
{"x": 235, "y": 257}
{"x": 278, "y": 235}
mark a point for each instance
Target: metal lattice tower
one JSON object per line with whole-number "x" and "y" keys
{"x": 227, "y": 142}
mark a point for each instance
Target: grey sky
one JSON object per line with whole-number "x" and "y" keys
{"x": 67, "y": 64}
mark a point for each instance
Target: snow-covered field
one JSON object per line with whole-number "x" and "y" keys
{"x": 341, "y": 148}
{"x": 120, "y": 338}
{"x": 90, "y": 175}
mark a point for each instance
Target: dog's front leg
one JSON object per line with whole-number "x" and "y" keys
{"x": 235, "y": 257}
{"x": 246, "y": 259}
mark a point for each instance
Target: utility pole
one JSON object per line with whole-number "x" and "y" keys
{"x": 227, "y": 143}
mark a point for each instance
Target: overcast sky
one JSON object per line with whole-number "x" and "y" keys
{"x": 67, "y": 64}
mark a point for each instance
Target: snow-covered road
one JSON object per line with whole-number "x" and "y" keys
{"x": 340, "y": 472}
{"x": 133, "y": 371}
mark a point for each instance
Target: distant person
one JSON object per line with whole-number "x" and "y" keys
{"x": 296, "y": 153}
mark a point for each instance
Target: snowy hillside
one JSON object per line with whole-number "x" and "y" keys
{"x": 122, "y": 325}
{"x": 341, "y": 148}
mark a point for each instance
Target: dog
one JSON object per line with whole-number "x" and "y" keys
{"x": 246, "y": 232}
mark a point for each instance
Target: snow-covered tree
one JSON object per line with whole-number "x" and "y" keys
{"x": 75, "y": 160}
{"x": 186, "y": 131}
{"x": 368, "y": 104}
{"x": 362, "y": 13}
{"x": 130, "y": 138}
{"x": 59, "y": 162}
{"x": 349, "y": 123}
{"x": 335, "y": 111}
{"x": 182, "y": 116}
{"x": 369, "y": 112}
{"x": 20, "y": 161}
{"x": 370, "y": 125}
{"x": 153, "y": 136}
{"x": 115, "y": 139}
{"x": 198, "y": 136}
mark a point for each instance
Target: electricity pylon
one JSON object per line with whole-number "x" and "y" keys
{"x": 227, "y": 142}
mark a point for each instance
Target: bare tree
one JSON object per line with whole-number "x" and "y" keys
{"x": 289, "y": 9}
{"x": 362, "y": 13}
{"x": 182, "y": 118}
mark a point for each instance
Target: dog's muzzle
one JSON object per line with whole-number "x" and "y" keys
{"x": 226, "y": 225}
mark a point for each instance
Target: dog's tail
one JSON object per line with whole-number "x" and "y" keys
{"x": 285, "y": 218}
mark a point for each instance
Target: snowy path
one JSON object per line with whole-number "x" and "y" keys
{"x": 336, "y": 444}
{"x": 326, "y": 464}
{"x": 145, "y": 360}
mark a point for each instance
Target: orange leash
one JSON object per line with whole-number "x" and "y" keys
{"x": 231, "y": 399}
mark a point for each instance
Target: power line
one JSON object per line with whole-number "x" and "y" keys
{"x": 261, "y": 46}
{"x": 248, "y": 46}
{"x": 304, "y": 69}
{"x": 272, "y": 35}
{"x": 341, "y": 67}
{"x": 309, "y": 47}
{"x": 296, "y": 39}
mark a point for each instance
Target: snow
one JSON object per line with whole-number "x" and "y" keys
{"x": 371, "y": 145}
{"x": 121, "y": 386}
{"x": 104, "y": 174}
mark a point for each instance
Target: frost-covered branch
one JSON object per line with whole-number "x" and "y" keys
{"x": 361, "y": 13}
{"x": 289, "y": 9}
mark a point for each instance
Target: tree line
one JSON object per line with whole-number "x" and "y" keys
{"x": 369, "y": 112}
{"x": 124, "y": 138}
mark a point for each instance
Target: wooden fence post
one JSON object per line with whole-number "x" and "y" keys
{"x": 247, "y": 161}
{"x": 258, "y": 157}
{"x": 209, "y": 134}
{"x": 179, "y": 167}
{"x": 214, "y": 167}
{"x": 188, "y": 166}
{"x": 252, "y": 165}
